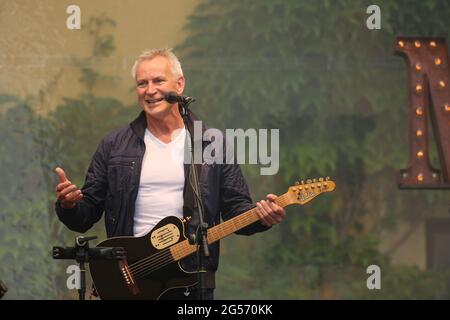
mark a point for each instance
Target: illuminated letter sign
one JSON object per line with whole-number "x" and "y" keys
{"x": 429, "y": 96}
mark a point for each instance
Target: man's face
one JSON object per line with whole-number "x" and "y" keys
{"x": 154, "y": 78}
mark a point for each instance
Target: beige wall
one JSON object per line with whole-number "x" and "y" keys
{"x": 36, "y": 46}
{"x": 406, "y": 244}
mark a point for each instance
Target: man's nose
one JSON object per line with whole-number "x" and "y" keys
{"x": 150, "y": 89}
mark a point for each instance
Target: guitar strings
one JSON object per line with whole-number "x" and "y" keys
{"x": 159, "y": 259}
{"x": 152, "y": 263}
{"x": 156, "y": 261}
{"x": 143, "y": 267}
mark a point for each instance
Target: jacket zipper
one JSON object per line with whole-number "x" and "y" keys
{"x": 122, "y": 163}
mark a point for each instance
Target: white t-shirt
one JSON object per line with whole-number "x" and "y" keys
{"x": 162, "y": 180}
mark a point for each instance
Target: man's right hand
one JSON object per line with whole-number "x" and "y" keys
{"x": 67, "y": 193}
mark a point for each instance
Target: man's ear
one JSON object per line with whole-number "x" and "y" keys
{"x": 180, "y": 85}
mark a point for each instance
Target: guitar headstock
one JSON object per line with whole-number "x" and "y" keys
{"x": 304, "y": 191}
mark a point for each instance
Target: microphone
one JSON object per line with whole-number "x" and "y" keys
{"x": 173, "y": 97}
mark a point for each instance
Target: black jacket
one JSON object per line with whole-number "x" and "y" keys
{"x": 112, "y": 184}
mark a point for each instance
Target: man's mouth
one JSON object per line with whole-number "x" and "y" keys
{"x": 153, "y": 101}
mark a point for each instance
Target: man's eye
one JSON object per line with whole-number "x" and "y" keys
{"x": 142, "y": 84}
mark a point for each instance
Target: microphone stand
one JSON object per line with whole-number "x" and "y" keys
{"x": 200, "y": 236}
{"x": 82, "y": 254}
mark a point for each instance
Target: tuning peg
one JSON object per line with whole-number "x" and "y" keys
{"x": 308, "y": 181}
{"x": 303, "y": 182}
{"x": 187, "y": 219}
{"x": 327, "y": 178}
{"x": 297, "y": 183}
{"x": 314, "y": 180}
{"x": 320, "y": 179}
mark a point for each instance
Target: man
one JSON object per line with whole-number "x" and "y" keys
{"x": 138, "y": 174}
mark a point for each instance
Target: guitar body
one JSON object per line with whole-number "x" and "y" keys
{"x": 108, "y": 277}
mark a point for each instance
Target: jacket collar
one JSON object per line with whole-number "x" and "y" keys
{"x": 139, "y": 124}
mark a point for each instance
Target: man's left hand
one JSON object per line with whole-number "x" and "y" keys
{"x": 269, "y": 212}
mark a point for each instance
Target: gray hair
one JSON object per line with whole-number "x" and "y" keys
{"x": 165, "y": 52}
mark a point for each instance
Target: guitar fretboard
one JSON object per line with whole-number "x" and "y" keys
{"x": 184, "y": 248}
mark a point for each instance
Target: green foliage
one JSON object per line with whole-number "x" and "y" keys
{"x": 78, "y": 127}
{"x": 25, "y": 264}
{"x": 414, "y": 284}
{"x": 31, "y": 149}
{"x": 333, "y": 87}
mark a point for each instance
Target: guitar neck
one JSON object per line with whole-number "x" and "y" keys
{"x": 239, "y": 222}
{"x": 183, "y": 249}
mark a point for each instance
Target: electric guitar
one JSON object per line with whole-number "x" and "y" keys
{"x": 152, "y": 264}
